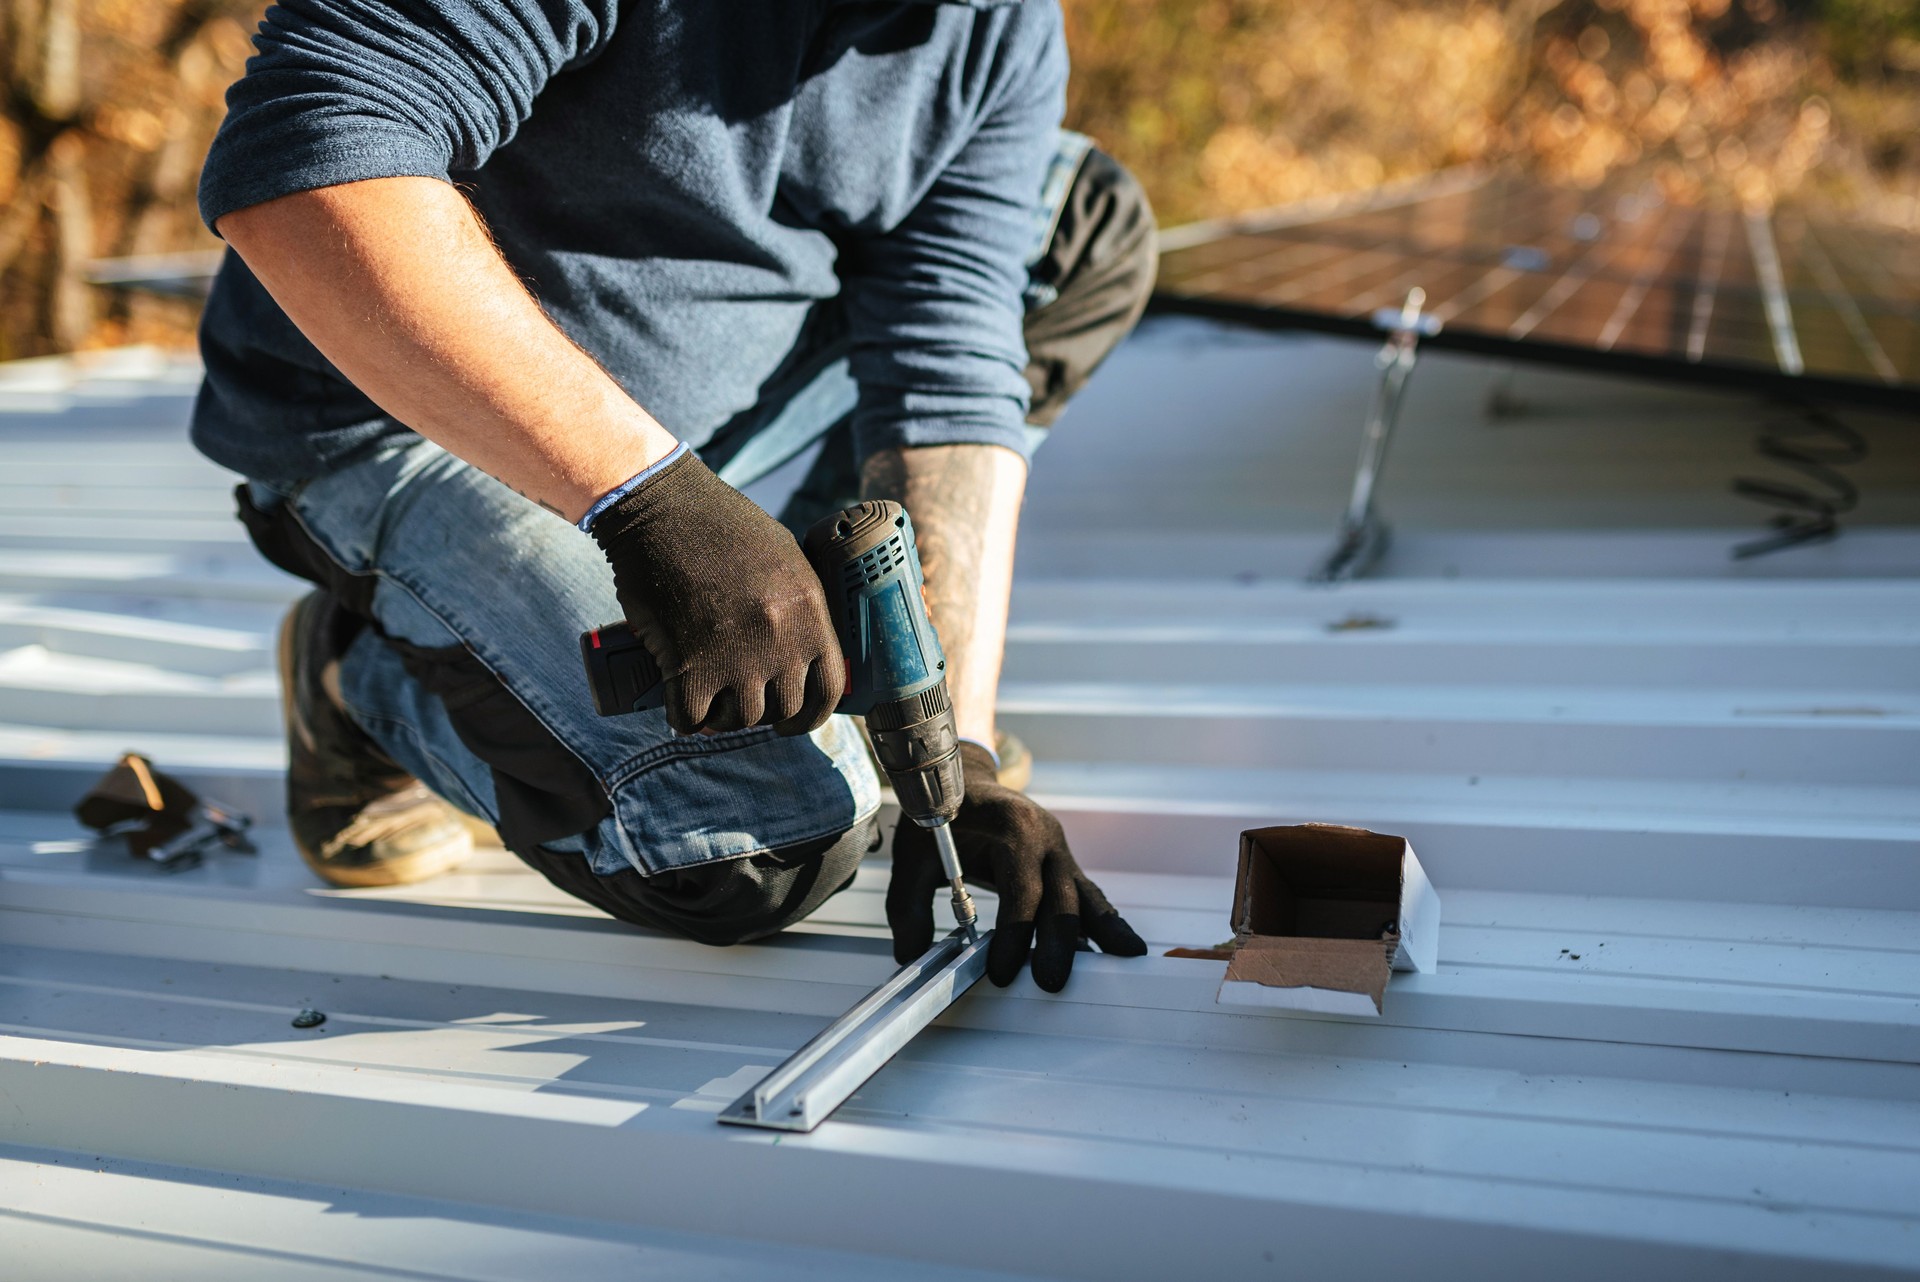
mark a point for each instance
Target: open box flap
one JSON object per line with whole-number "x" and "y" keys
{"x": 1359, "y": 966}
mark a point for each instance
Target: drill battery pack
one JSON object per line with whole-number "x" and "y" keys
{"x": 620, "y": 672}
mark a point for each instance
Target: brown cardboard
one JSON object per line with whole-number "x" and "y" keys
{"x": 1201, "y": 954}
{"x": 1331, "y": 965}
{"x": 1318, "y": 914}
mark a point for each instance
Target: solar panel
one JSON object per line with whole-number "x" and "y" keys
{"x": 1616, "y": 280}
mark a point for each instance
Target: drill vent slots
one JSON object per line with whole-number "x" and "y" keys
{"x": 876, "y": 564}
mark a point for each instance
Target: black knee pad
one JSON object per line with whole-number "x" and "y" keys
{"x": 1093, "y": 282}
{"x": 729, "y": 902}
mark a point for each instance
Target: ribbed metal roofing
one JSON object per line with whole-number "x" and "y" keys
{"x": 1671, "y": 805}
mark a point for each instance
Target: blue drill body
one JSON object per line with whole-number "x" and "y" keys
{"x": 870, "y": 567}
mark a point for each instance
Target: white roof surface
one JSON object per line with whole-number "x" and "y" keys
{"x": 1671, "y": 806}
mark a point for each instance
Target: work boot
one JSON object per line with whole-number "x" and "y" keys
{"x": 358, "y": 819}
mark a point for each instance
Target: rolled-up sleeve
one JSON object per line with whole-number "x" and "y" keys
{"x": 935, "y": 305}
{"x": 345, "y": 90}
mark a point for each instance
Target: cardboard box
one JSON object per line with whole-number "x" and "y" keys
{"x": 1322, "y": 914}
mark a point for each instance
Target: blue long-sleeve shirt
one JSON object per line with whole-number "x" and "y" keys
{"x": 681, "y": 182}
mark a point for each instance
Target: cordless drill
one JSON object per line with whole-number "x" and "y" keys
{"x": 896, "y": 672}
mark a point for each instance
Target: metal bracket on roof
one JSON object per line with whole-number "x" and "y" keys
{"x": 1363, "y": 537}
{"x": 818, "y": 1078}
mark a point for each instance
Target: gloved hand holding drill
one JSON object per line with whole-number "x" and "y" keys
{"x": 714, "y": 595}
{"x": 724, "y": 601}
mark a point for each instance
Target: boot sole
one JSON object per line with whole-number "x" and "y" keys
{"x": 404, "y": 871}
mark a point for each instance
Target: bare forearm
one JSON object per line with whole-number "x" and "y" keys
{"x": 397, "y": 283}
{"x": 965, "y": 504}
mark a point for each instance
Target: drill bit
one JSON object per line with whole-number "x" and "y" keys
{"x": 963, "y": 910}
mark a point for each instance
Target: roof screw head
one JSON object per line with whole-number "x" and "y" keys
{"x": 309, "y": 1018}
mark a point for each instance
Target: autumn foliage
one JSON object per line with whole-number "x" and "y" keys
{"x": 1225, "y": 105}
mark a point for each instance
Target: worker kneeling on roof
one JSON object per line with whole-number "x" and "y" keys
{"x": 521, "y": 291}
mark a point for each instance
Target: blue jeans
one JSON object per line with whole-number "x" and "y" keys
{"x": 460, "y": 562}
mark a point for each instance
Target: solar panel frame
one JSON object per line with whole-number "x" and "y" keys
{"x": 1771, "y": 303}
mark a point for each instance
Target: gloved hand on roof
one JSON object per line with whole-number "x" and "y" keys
{"x": 1012, "y": 845}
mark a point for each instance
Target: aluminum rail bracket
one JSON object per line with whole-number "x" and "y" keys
{"x": 1363, "y": 536}
{"x": 818, "y": 1078}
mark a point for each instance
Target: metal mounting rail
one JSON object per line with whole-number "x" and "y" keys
{"x": 817, "y": 1079}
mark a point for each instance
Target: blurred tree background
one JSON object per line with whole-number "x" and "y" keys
{"x": 1225, "y": 105}
{"x": 109, "y": 108}
{"x": 1219, "y": 106}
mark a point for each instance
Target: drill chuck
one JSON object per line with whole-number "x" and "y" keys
{"x": 918, "y": 747}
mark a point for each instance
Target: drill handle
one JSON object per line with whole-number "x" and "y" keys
{"x": 870, "y": 570}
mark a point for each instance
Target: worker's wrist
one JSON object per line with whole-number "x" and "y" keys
{"x": 631, "y": 484}
{"x": 979, "y": 750}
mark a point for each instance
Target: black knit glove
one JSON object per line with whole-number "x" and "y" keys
{"x": 725, "y": 602}
{"x": 1013, "y": 846}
